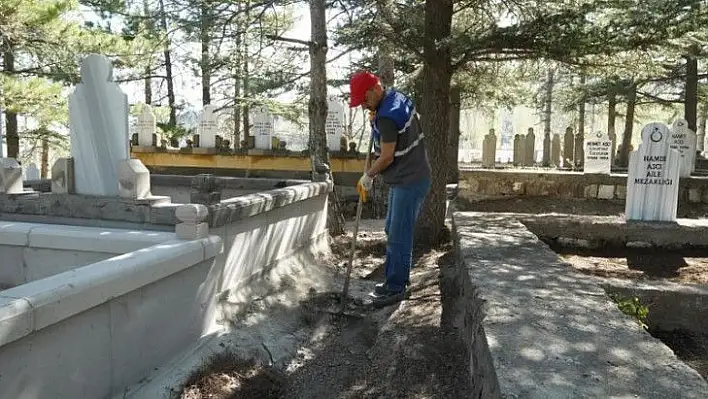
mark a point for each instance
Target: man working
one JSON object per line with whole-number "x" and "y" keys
{"x": 402, "y": 161}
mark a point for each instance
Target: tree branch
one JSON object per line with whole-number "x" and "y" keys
{"x": 290, "y": 40}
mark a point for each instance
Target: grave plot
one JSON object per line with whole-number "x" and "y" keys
{"x": 648, "y": 251}
{"x": 352, "y": 356}
{"x": 664, "y": 289}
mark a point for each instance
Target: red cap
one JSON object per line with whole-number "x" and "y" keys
{"x": 359, "y": 84}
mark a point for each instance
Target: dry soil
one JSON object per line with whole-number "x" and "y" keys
{"x": 400, "y": 351}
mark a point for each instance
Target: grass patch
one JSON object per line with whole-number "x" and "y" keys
{"x": 226, "y": 376}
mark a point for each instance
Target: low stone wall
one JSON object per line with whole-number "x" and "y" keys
{"x": 480, "y": 184}
{"x": 671, "y": 306}
{"x": 585, "y": 231}
{"x": 553, "y": 332}
{"x": 31, "y": 251}
{"x": 466, "y": 315}
{"x": 155, "y": 213}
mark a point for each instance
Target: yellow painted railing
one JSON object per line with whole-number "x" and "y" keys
{"x": 243, "y": 162}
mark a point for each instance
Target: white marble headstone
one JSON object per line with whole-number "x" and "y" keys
{"x": 98, "y": 125}
{"x": 208, "y": 127}
{"x": 653, "y": 178}
{"x": 146, "y": 126}
{"x": 32, "y": 172}
{"x": 598, "y": 150}
{"x": 10, "y": 176}
{"x": 684, "y": 141}
{"x": 334, "y": 126}
{"x": 262, "y": 130}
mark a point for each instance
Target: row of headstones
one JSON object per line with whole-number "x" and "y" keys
{"x": 262, "y": 129}
{"x": 524, "y": 154}
{"x": 595, "y": 154}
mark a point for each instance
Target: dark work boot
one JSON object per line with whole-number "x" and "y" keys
{"x": 386, "y": 297}
{"x": 381, "y": 289}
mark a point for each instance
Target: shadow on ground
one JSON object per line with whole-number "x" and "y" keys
{"x": 401, "y": 351}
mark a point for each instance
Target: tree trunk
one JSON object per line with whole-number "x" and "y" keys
{"x": 12, "y": 136}
{"x": 691, "y": 100}
{"x": 435, "y": 101}
{"x": 453, "y": 144}
{"x": 148, "y": 69}
{"x": 628, "y": 126}
{"x": 245, "y": 77}
{"x": 205, "y": 62}
{"x": 44, "y": 168}
{"x": 580, "y": 137}
{"x": 317, "y": 107}
{"x": 167, "y": 53}
{"x": 611, "y": 118}
{"x": 547, "y": 117}
{"x": 237, "y": 83}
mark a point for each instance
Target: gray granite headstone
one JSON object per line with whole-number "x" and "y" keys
{"x": 489, "y": 149}
{"x": 530, "y": 148}
{"x": 556, "y": 151}
{"x": 568, "y": 148}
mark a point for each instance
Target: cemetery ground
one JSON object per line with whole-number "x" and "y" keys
{"x": 356, "y": 356}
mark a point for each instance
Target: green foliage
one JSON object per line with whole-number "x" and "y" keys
{"x": 632, "y": 307}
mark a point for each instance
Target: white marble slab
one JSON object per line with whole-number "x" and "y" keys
{"x": 146, "y": 126}
{"x": 334, "y": 126}
{"x": 653, "y": 177}
{"x": 10, "y": 176}
{"x": 263, "y": 128}
{"x": 208, "y": 127}
{"x": 32, "y": 172}
{"x": 98, "y": 125}
{"x": 598, "y": 153}
{"x": 683, "y": 140}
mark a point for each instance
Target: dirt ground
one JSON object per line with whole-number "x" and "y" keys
{"x": 400, "y": 351}
{"x": 690, "y": 347}
{"x": 689, "y": 266}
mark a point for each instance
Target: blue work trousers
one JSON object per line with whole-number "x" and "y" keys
{"x": 404, "y": 203}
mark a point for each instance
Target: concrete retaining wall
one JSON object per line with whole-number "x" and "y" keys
{"x": 479, "y": 184}
{"x": 92, "y": 332}
{"x": 467, "y": 315}
{"x": 31, "y": 251}
{"x": 585, "y": 231}
{"x": 553, "y": 332}
{"x": 88, "y": 332}
{"x": 671, "y": 306}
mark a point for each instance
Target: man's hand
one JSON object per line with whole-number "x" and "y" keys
{"x": 364, "y": 186}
